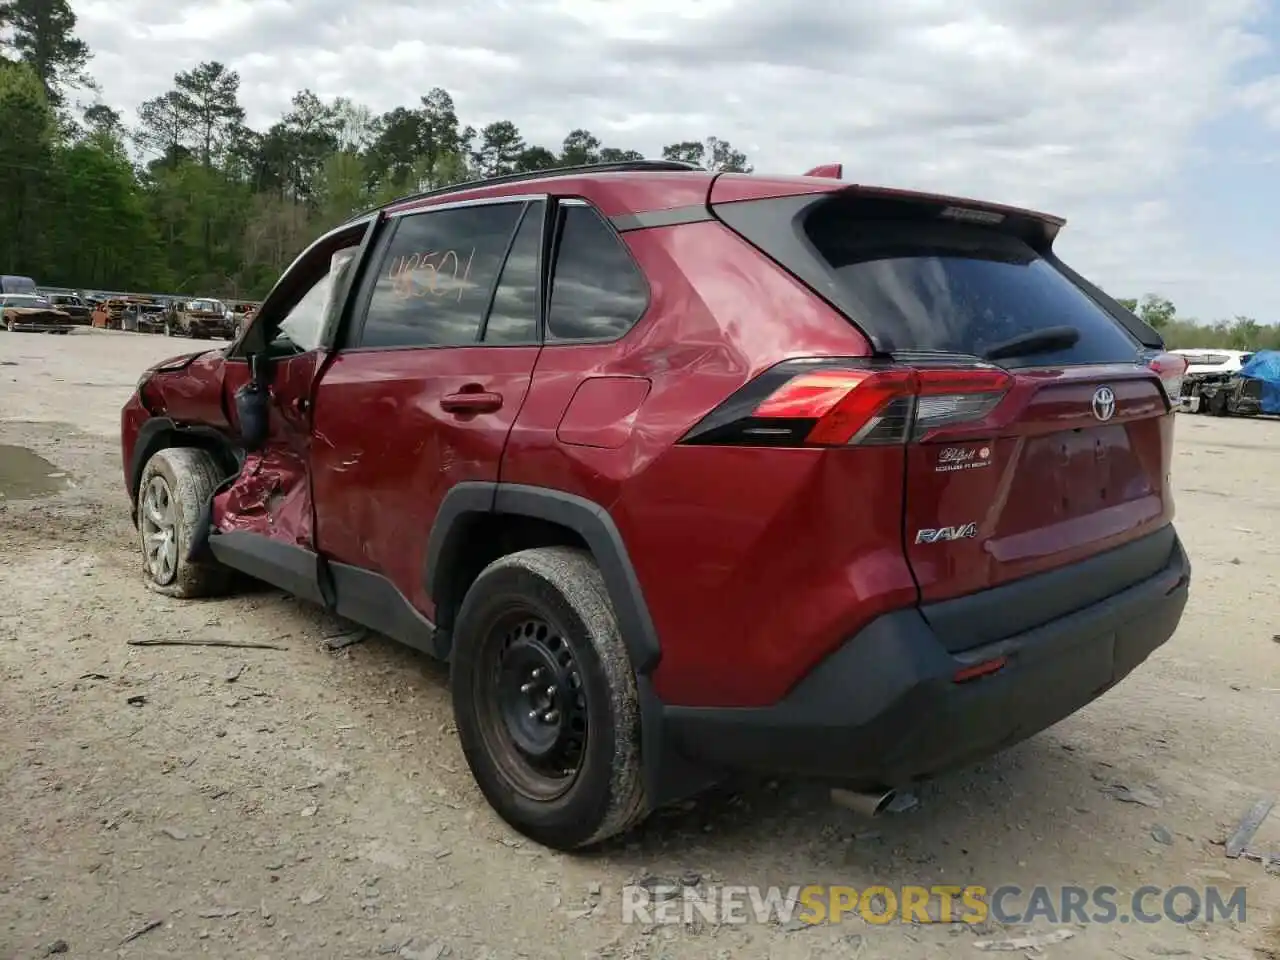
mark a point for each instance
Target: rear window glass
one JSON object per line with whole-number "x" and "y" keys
{"x": 1207, "y": 359}
{"x": 961, "y": 288}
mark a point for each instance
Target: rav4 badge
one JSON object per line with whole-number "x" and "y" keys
{"x": 966, "y": 532}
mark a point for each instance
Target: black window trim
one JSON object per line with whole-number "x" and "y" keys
{"x": 540, "y": 314}
{"x": 359, "y": 306}
{"x": 553, "y": 255}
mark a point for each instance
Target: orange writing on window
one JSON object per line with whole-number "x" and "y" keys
{"x": 436, "y": 273}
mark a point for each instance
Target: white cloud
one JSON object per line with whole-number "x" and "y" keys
{"x": 1263, "y": 96}
{"x": 1085, "y": 109}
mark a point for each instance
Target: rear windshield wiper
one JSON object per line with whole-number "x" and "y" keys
{"x": 1035, "y": 341}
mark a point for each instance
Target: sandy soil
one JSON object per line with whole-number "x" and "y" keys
{"x": 312, "y": 804}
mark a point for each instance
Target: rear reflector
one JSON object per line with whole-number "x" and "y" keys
{"x": 842, "y": 402}
{"x": 984, "y": 669}
{"x": 1170, "y": 368}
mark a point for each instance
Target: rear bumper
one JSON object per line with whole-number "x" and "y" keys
{"x": 884, "y": 709}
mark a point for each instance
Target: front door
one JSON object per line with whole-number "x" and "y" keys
{"x": 263, "y": 522}
{"x": 423, "y": 393}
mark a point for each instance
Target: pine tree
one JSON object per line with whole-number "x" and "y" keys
{"x": 43, "y": 35}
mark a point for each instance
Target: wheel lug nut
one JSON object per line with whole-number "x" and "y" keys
{"x": 550, "y": 716}
{"x": 533, "y": 714}
{"x": 537, "y": 673}
{"x": 526, "y": 687}
{"x": 551, "y": 691}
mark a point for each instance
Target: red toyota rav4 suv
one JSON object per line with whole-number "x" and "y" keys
{"x": 687, "y": 474}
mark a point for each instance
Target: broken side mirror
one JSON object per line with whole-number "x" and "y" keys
{"x": 252, "y": 410}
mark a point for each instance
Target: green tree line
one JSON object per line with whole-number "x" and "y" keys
{"x": 192, "y": 199}
{"x": 1238, "y": 333}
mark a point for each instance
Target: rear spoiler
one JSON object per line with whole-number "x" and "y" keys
{"x": 832, "y": 171}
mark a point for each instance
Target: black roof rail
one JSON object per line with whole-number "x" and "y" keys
{"x": 619, "y": 166}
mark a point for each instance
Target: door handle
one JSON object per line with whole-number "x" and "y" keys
{"x": 471, "y": 401}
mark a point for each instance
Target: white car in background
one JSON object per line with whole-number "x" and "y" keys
{"x": 1213, "y": 361}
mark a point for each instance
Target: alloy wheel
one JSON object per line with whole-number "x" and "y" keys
{"x": 157, "y": 516}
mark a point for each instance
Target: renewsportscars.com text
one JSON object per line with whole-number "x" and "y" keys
{"x": 1008, "y": 905}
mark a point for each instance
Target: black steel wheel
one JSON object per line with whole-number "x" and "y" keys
{"x": 545, "y": 699}
{"x": 531, "y": 704}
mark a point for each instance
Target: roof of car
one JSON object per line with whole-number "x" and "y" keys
{"x": 647, "y": 185}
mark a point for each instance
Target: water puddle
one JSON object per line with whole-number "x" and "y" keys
{"x": 25, "y": 475}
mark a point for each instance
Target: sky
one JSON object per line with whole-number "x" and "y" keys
{"x": 1153, "y": 126}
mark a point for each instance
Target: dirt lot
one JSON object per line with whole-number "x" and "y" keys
{"x": 317, "y": 805}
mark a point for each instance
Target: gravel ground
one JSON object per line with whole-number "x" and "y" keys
{"x": 306, "y": 803}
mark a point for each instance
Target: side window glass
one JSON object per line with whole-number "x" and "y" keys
{"x": 597, "y": 291}
{"x": 434, "y": 282}
{"x": 513, "y": 318}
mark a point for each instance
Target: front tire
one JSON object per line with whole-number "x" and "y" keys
{"x": 175, "y": 486}
{"x": 545, "y": 699}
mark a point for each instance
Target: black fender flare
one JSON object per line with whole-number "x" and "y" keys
{"x": 668, "y": 775}
{"x": 587, "y": 519}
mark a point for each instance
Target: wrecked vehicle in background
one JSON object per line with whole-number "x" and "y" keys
{"x": 1206, "y": 371}
{"x": 243, "y": 311}
{"x": 146, "y": 316}
{"x": 80, "y": 312}
{"x": 109, "y": 314}
{"x": 200, "y": 319}
{"x": 133, "y": 314}
{"x": 1253, "y": 389}
{"x": 30, "y": 313}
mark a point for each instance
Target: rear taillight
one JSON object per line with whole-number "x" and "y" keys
{"x": 831, "y": 403}
{"x": 1169, "y": 367}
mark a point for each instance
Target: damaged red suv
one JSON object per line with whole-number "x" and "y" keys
{"x": 688, "y": 474}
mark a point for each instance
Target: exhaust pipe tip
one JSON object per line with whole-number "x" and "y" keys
{"x": 867, "y": 804}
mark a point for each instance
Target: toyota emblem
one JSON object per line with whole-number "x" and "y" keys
{"x": 1104, "y": 403}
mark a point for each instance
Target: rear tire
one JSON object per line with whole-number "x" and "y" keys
{"x": 176, "y": 484}
{"x": 545, "y": 699}
{"x": 1218, "y": 404}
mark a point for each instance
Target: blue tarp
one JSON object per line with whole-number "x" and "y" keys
{"x": 1265, "y": 366}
